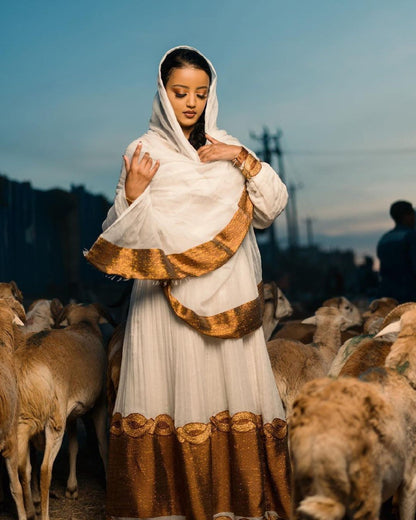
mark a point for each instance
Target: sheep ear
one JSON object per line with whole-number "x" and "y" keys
{"x": 392, "y": 327}
{"x": 310, "y": 321}
{"x": 18, "y": 321}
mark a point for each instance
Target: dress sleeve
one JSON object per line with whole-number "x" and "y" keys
{"x": 268, "y": 195}
{"x": 135, "y": 219}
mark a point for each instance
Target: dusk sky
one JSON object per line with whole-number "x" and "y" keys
{"x": 338, "y": 78}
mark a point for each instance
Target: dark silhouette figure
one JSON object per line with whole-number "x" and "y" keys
{"x": 396, "y": 250}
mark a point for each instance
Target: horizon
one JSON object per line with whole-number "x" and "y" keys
{"x": 338, "y": 80}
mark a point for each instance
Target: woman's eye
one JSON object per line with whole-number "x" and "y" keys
{"x": 202, "y": 96}
{"x": 179, "y": 95}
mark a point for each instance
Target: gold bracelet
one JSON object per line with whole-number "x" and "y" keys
{"x": 251, "y": 167}
{"x": 240, "y": 158}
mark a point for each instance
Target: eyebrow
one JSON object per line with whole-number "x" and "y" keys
{"x": 185, "y": 86}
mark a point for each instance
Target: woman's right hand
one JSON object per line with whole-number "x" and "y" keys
{"x": 139, "y": 173}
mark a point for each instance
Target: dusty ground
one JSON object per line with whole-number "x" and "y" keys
{"x": 91, "y": 487}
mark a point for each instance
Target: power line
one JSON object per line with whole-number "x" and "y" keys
{"x": 362, "y": 151}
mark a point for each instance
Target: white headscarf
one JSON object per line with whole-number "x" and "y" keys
{"x": 191, "y": 201}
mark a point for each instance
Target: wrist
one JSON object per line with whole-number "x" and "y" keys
{"x": 132, "y": 194}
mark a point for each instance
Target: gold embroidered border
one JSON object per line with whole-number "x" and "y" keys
{"x": 154, "y": 264}
{"x": 233, "y": 463}
{"x": 233, "y": 323}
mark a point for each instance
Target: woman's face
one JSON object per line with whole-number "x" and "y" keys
{"x": 187, "y": 90}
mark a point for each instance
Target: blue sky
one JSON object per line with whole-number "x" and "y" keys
{"x": 339, "y": 78}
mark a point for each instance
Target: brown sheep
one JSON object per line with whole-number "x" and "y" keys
{"x": 61, "y": 376}
{"x": 9, "y": 402}
{"x": 295, "y": 363}
{"x": 352, "y": 441}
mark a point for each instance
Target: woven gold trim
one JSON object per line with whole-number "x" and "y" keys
{"x": 136, "y": 425}
{"x": 154, "y": 264}
{"x": 233, "y": 323}
{"x": 199, "y": 470}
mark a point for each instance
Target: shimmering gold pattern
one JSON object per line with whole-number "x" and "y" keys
{"x": 233, "y": 323}
{"x": 231, "y": 464}
{"x": 154, "y": 264}
{"x": 251, "y": 167}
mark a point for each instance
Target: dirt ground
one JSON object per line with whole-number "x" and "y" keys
{"x": 91, "y": 488}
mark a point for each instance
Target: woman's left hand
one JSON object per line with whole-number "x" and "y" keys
{"x": 217, "y": 151}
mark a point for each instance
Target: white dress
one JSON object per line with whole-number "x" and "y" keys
{"x": 198, "y": 430}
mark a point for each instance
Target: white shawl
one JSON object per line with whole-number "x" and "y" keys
{"x": 188, "y": 224}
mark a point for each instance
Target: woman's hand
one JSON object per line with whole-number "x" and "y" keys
{"x": 139, "y": 173}
{"x": 217, "y": 151}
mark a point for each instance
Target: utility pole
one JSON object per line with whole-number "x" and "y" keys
{"x": 309, "y": 232}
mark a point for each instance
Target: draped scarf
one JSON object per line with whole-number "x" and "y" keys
{"x": 188, "y": 225}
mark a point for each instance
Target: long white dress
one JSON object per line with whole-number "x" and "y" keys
{"x": 198, "y": 430}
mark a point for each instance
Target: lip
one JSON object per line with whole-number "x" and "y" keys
{"x": 189, "y": 114}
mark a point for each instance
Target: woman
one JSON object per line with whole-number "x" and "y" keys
{"x": 198, "y": 429}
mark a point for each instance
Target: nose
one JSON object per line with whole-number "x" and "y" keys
{"x": 191, "y": 100}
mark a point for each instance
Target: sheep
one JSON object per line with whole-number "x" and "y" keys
{"x": 276, "y": 307}
{"x": 351, "y": 441}
{"x": 304, "y": 331}
{"x": 61, "y": 376}
{"x": 42, "y": 314}
{"x": 377, "y": 310}
{"x": 10, "y": 290}
{"x": 9, "y": 402}
{"x": 114, "y": 357}
{"x": 294, "y": 363}
{"x": 365, "y": 351}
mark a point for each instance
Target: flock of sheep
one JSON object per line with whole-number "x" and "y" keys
{"x": 351, "y": 439}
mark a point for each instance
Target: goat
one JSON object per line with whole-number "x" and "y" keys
{"x": 9, "y": 402}
{"x": 276, "y": 307}
{"x": 352, "y": 440}
{"x": 295, "y": 363}
{"x": 61, "y": 376}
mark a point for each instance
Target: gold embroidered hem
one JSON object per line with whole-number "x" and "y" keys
{"x": 154, "y": 264}
{"x": 233, "y": 323}
{"x": 233, "y": 464}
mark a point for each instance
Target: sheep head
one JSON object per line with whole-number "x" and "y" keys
{"x": 329, "y": 316}
{"x": 377, "y": 310}
{"x": 93, "y": 314}
{"x": 349, "y": 310}
{"x": 10, "y": 290}
{"x": 8, "y": 318}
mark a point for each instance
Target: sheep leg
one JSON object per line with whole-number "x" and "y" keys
{"x": 99, "y": 416}
{"x": 35, "y": 478}
{"x": 407, "y": 500}
{"x": 15, "y": 487}
{"x": 53, "y": 441}
{"x": 25, "y": 469}
{"x": 72, "y": 484}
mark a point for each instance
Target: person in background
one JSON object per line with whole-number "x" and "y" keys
{"x": 396, "y": 251}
